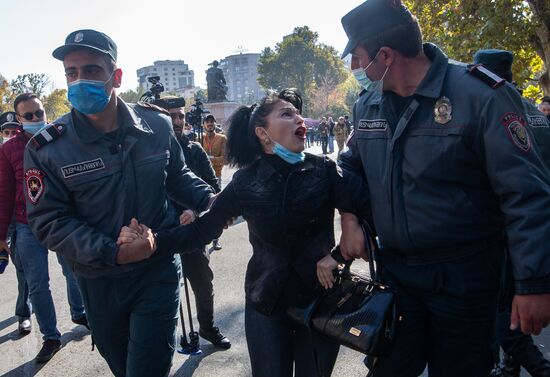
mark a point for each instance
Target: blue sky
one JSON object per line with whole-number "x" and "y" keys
{"x": 195, "y": 31}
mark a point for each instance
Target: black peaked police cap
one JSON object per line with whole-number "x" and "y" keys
{"x": 496, "y": 61}
{"x": 8, "y": 119}
{"x": 371, "y": 18}
{"x": 88, "y": 39}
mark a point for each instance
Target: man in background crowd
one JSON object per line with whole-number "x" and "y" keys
{"x": 196, "y": 265}
{"x": 544, "y": 106}
{"x": 30, "y": 257}
{"x": 214, "y": 145}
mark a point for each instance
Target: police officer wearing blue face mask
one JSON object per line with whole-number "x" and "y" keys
{"x": 451, "y": 167}
{"x": 94, "y": 170}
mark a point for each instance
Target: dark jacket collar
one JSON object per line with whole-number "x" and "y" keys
{"x": 183, "y": 140}
{"x": 432, "y": 84}
{"x": 266, "y": 170}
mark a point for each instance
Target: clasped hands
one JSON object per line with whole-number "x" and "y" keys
{"x": 136, "y": 243}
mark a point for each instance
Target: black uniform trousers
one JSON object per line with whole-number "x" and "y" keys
{"x": 196, "y": 269}
{"x": 447, "y": 316}
{"x": 133, "y": 318}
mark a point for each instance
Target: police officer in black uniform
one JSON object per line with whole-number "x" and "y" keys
{"x": 451, "y": 168}
{"x": 196, "y": 265}
{"x": 95, "y": 169}
{"x": 519, "y": 349}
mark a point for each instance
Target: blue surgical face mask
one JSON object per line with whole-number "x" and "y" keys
{"x": 285, "y": 154}
{"x": 368, "y": 84}
{"x": 33, "y": 127}
{"x": 288, "y": 156}
{"x": 89, "y": 96}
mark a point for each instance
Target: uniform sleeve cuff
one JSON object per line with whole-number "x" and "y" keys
{"x": 111, "y": 255}
{"x": 533, "y": 286}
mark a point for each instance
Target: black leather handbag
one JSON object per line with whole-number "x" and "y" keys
{"x": 357, "y": 312}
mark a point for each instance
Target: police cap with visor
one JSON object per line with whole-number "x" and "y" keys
{"x": 88, "y": 39}
{"x": 8, "y": 119}
{"x": 372, "y": 18}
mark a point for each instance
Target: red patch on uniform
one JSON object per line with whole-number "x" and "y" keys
{"x": 34, "y": 184}
{"x": 516, "y": 130}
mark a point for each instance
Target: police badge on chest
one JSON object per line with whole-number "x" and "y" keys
{"x": 443, "y": 110}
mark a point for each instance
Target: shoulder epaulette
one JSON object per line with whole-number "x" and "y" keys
{"x": 47, "y": 135}
{"x": 150, "y": 106}
{"x": 488, "y": 77}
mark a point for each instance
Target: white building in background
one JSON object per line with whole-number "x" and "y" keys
{"x": 175, "y": 75}
{"x": 241, "y": 74}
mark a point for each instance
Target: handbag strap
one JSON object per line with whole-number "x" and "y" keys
{"x": 371, "y": 246}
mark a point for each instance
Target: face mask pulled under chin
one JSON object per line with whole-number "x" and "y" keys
{"x": 286, "y": 154}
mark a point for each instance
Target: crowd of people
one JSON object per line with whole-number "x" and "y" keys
{"x": 446, "y": 161}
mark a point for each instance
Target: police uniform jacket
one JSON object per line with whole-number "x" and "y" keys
{"x": 82, "y": 186}
{"x": 453, "y": 172}
{"x": 290, "y": 222}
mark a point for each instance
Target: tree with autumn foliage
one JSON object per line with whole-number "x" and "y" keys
{"x": 56, "y": 104}
{"x": 302, "y": 62}
{"x": 461, "y": 27}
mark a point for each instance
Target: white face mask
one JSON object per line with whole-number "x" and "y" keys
{"x": 187, "y": 132}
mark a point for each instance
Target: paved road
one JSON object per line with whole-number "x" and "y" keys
{"x": 77, "y": 359}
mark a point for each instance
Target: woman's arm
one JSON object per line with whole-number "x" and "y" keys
{"x": 186, "y": 238}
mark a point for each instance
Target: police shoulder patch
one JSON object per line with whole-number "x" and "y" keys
{"x": 34, "y": 184}
{"x": 517, "y": 133}
{"x": 150, "y": 106}
{"x": 47, "y": 135}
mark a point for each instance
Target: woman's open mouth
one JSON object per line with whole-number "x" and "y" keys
{"x": 300, "y": 132}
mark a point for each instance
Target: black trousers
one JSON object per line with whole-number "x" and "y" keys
{"x": 196, "y": 268}
{"x": 280, "y": 348}
{"x": 324, "y": 144}
{"x": 447, "y": 315}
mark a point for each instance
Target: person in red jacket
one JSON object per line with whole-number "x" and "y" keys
{"x": 30, "y": 257}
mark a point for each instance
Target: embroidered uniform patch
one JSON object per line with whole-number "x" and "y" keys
{"x": 34, "y": 184}
{"x": 515, "y": 127}
{"x": 82, "y": 167}
{"x": 537, "y": 121}
{"x": 372, "y": 125}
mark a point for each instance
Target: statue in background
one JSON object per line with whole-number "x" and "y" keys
{"x": 215, "y": 82}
